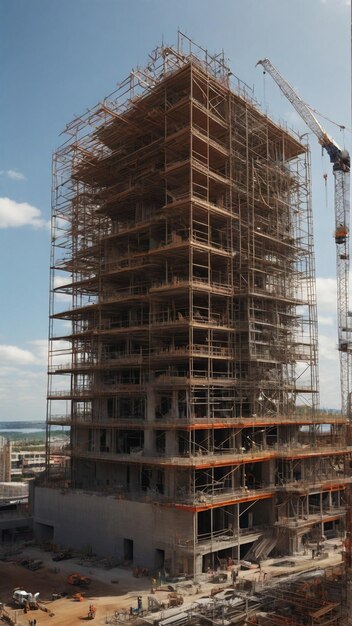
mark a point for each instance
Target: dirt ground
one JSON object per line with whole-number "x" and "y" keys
{"x": 106, "y": 596}
{"x": 114, "y": 589}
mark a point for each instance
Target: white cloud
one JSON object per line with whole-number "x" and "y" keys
{"x": 15, "y": 214}
{"x": 7, "y": 370}
{"x": 23, "y": 380}
{"x": 329, "y": 372}
{"x": 326, "y": 295}
{"x": 328, "y": 348}
{"x": 329, "y": 368}
{"x": 61, "y": 351}
{"x": 13, "y": 354}
{"x": 334, "y": 3}
{"x": 13, "y": 174}
{"x": 29, "y": 390}
{"x": 61, "y": 281}
{"x": 40, "y": 349}
{"x": 326, "y": 320}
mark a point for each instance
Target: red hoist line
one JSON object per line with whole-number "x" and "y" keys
{"x": 340, "y": 160}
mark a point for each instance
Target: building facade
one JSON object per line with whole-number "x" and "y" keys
{"x": 5, "y": 459}
{"x": 183, "y": 342}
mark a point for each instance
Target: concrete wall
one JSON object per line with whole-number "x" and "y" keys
{"x": 15, "y": 524}
{"x": 104, "y": 522}
{"x": 13, "y": 490}
{"x": 14, "y": 520}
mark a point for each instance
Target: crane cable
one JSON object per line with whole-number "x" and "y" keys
{"x": 342, "y": 127}
{"x": 325, "y": 176}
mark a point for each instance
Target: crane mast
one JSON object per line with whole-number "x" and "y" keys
{"x": 340, "y": 160}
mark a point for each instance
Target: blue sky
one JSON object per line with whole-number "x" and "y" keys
{"x": 59, "y": 57}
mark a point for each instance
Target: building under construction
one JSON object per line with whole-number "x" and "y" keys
{"x": 183, "y": 334}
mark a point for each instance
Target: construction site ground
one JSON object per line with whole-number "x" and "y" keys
{"x": 115, "y": 590}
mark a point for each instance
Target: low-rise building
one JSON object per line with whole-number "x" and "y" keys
{"x": 27, "y": 462}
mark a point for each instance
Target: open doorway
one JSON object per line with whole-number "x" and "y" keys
{"x": 128, "y": 550}
{"x": 159, "y": 558}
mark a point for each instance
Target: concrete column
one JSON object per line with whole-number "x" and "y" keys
{"x": 95, "y": 440}
{"x": 210, "y": 440}
{"x": 198, "y": 564}
{"x": 174, "y": 405}
{"x": 170, "y": 443}
{"x": 238, "y": 533}
{"x": 303, "y": 470}
{"x": 243, "y": 475}
{"x": 149, "y": 442}
{"x": 109, "y": 440}
{"x": 263, "y": 438}
{"x": 134, "y": 478}
{"x": 268, "y": 472}
{"x": 235, "y": 479}
{"x": 170, "y": 483}
{"x": 238, "y": 440}
{"x": 150, "y": 405}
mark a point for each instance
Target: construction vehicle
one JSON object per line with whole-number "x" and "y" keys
{"x": 32, "y": 564}
{"x": 340, "y": 160}
{"x": 78, "y": 580}
{"x": 175, "y": 599}
{"x": 25, "y": 599}
{"x": 78, "y": 597}
{"x": 63, "y": 556}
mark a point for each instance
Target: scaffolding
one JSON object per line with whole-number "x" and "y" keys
{"x": 183, "y": 312}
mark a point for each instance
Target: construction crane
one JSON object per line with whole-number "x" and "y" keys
{"x": 340, "y": 160}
